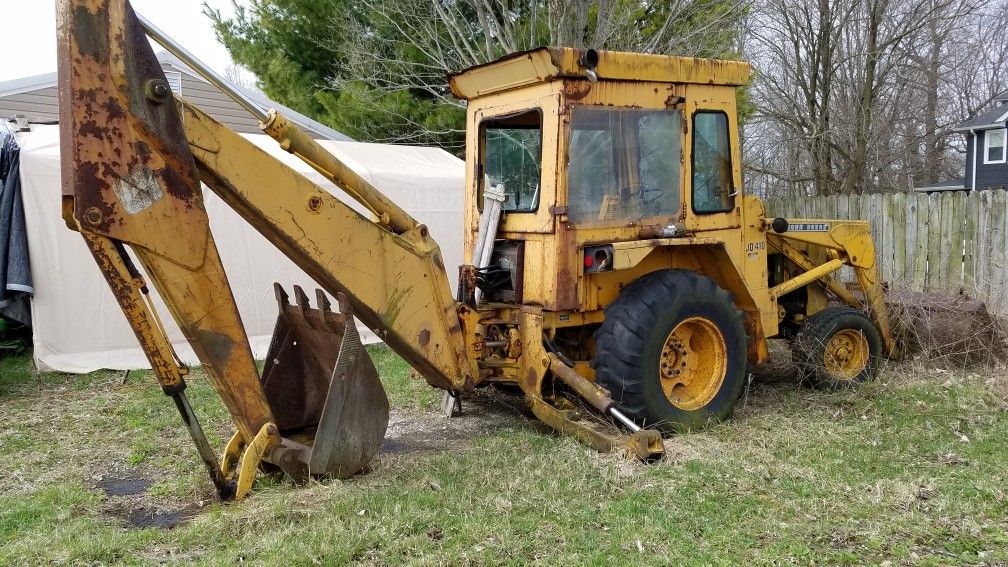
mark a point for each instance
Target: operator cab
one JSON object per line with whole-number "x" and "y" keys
{"x": 590, "y": 149}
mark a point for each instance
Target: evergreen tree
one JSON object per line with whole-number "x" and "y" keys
{"x": 377, "y": 69}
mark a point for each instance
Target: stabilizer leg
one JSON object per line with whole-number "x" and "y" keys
{"x": 131, "y": 292}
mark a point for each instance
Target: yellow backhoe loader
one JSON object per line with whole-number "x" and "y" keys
{"x": 615, "y": 271}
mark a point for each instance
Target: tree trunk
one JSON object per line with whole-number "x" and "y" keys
{"x": 932, "y": 145}
{"x": 855, "y": 180}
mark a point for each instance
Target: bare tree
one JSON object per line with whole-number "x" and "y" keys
{"x": 241, "y": 77}
{"x": 796, "y": 52}
{"x": 861, "y": 95}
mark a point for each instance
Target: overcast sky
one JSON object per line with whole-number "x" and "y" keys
{"x": 29, "y": 33}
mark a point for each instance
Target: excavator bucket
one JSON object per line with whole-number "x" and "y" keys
{"x": 323, "y": 387}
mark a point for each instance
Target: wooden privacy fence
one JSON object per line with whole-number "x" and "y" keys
{"x": 951, "y": 242}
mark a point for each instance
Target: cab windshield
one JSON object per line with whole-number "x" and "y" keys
{"x": 623, "y": 164}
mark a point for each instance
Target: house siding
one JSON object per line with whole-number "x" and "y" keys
{"x": 42, "y": 105}
{"x": 970, "y": 154}
{"x": 37, "y": 106}
{"x": 214, "y": 102}
{"x": 988, "y": 176}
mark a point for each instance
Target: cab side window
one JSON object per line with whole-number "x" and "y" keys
{"x": 713, "y": 190}
{"x": 512, "y": 158}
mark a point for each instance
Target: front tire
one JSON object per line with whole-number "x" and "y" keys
{"x": 672, "y": 351}
{"x": 837, "y": 347}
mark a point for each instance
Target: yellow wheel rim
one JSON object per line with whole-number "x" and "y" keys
{"x": 693, "y": 363}
{"x": 846, "y": 354}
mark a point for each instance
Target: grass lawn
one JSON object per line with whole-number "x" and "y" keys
{"x": 911, "y": 469}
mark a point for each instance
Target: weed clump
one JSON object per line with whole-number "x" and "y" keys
{"x": 952, "y": 332}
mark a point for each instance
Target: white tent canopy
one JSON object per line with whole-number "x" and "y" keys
{"x": 77, "y": 324}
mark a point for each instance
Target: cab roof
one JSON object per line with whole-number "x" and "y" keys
{"x": 550, "y": 63}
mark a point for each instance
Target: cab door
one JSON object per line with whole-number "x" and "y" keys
{"x": 517, "y": 149}
{"x": 713, "y": 179}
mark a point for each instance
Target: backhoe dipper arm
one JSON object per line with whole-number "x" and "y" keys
{"x": 132, "y": 178}
{"x": 129, "y": 178}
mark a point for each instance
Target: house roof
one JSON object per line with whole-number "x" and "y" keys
{"x": 956, "y": 184}
{"x": 993, "y": 118}
{"x": 47, "y": 80}
{"x": 293, "y": 115}
{"x": 27, "y": 84}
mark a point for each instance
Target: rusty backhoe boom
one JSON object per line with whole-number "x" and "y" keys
{"x": 134, "y": 158}
{"x": 396, "y": 283}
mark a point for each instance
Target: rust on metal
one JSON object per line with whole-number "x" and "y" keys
{"x": 576, "y": 89}
{"x": 315, "y": 203}
{"x": 467, "y": 284}
{"x": 112, "y": 262}
{"x": 129, "y": 177}
{"x": 302, "y": 355}
{"x": 759, "y": 352}
{"x": 569, "y": 272}
{"x": 356, "y": 410}
{"x": 125, "y": 157}
{"x": 293, "y": 458}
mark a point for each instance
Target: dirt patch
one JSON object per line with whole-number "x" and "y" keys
{"x": 779, "y": 368}
{"x": 483, "y": 412}
{"x": 123, "y": 485}
{"x": 147, "y": 517}
{"x": 128, "y": 490}
{"x": 950, "y": 331}
{"x": 129, "y": 501}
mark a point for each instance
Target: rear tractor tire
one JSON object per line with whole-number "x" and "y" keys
{"x": 672, "y": 351}
{"x": 837, "y": 347}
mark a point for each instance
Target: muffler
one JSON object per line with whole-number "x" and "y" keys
{"x": 323, "y": 389}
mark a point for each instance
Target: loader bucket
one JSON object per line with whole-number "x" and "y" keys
{"x": 323, "y": 387}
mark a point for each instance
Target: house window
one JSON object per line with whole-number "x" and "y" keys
{"x": 994, "y": 146}
{"x": 174, "y": 81}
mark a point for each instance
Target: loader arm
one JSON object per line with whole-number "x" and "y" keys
{"x": 849, "y": 242}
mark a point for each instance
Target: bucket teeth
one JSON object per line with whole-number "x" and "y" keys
{"x": 319, "y": 379}
{"x": 301, "y": 298}
{"x": 281, "y": 295}
{"x": 323, "y": 301}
